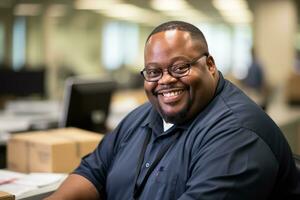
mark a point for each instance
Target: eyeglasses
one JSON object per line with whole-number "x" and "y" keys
{"x": 176, "y": 71}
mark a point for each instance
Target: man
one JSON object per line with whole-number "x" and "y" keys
{"x": 200, "y": 138}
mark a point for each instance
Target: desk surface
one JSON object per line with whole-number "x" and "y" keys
{"x": 40, "y": 193}
{"x": 30, "y": 186}
{"x": 20, "y": 116}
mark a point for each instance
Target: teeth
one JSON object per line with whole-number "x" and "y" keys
{"x": 170, "y": 94}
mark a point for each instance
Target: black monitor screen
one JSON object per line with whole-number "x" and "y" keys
{"x": 86, "y": 103}
{"x": 22, "y": 83}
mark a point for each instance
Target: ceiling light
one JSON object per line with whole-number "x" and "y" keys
{"x": 234, "y": 11}
{"x": 94, "y": 4}
{"x": 27, "y": 9}
{"x": 230, "y": 4}
{"x": 132, "y": 13}
{"x": 179, "y": 9}
{"x": 164, "y": 5}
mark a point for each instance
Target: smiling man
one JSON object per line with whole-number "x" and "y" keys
{"x": 200, "y": 137}
{"x": 174, "y": 89}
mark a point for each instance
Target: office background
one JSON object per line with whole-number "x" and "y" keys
{"x": 94, "y": 37}
{"x": 63, "y": 38}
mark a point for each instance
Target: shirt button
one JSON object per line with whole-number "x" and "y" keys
{"x": 147, "y": 165}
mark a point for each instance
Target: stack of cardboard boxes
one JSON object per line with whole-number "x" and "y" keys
{"x": 57, "y": 150}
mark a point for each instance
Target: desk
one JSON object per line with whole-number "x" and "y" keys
{"x": 40, "y": 193}
{"x": 25, "y": 115}
{"x": 21, "y": 116}
{"x": 287, "y": 117}
{"x": 30, "y": 186}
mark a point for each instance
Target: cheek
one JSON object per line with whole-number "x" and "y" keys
{"x": 202, "y": 91}
{"x": 149, "y": 87}
{"x": 197, "y": 87}
{"x": 194, "y": 83}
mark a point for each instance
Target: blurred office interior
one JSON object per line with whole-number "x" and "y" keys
{"x": 57, "y": 39}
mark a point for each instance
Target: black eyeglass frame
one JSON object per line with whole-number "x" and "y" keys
{"x": 175, "y": 75}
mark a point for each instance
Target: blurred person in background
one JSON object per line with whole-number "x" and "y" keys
{"x": 255, "y": 75}
{"x": 297, "y": 62}
{"x": 199, "y": 137}
{"x": 254, "y": 84}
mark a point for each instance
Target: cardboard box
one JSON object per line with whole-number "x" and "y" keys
{"x": 292, "y": 91}
{"x": 57, "y": 150}
{"x": 6, "y": 196}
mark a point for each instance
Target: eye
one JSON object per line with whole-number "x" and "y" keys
{"x": 180, "y": 68}
{"x": 153, "y": 72}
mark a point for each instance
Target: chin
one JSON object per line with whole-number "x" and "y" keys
{"x": 177, "y": 118}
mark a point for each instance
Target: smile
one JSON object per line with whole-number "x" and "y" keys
{"x": 172, "y": 93}
{"x": 172, "y": 97}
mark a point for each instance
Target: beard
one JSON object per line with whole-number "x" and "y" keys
{"x": 179, "y": 117}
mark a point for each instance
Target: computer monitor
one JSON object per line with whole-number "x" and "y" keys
{"x": 22, "y": 83}
{"x": 86, "y": 103}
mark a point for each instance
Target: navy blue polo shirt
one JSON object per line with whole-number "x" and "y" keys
{"x": 230, "y": 150}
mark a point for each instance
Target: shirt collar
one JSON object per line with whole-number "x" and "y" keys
{"x": 154, "y": 121}
{"x": 220, "y": 85}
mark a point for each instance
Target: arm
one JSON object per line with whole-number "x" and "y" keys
{"x": 88, "y": 180}
{"x": 75, "y": 187}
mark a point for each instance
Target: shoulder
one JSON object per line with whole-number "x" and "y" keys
{"x": 249, "y": 116}
{"x": 230, "y": 111}
{"x": 137, "y": 116}
{"x": 247, "y": 113}
{"x": 130, "y": 123}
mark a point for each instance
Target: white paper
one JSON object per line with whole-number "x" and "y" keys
{"x": 9, "y": 176}
{"x": 40, "y": 179}
{"x": 21, "y": 184}
{"x": 16, "y": 189}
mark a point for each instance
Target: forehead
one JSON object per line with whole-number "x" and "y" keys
{"x": 167, "y": 38}
{"x": 171, "y": 43}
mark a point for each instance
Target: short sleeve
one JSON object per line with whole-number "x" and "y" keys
{"x": 94, "y": 166}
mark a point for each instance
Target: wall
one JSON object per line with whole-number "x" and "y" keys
{"x": 275, "y": 26}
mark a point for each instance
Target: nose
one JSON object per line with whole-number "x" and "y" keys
{"x": 166, "y": 78}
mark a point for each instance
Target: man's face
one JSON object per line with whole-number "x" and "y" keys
{"x": 179, "y": 99}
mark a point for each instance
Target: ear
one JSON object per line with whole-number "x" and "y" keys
{"x": 210, "y": 62}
